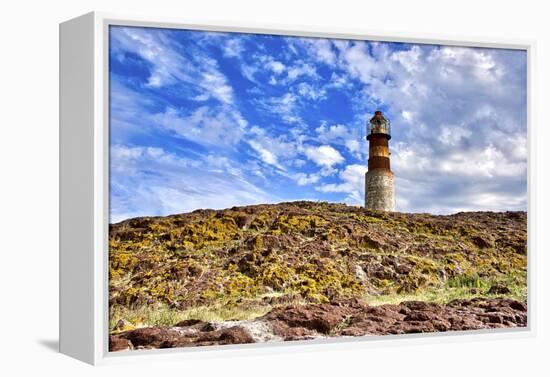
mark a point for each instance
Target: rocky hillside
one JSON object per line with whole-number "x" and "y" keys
{"x": 244, "y": 262}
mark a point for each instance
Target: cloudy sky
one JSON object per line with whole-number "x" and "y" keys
{"x": 214, "y": 120}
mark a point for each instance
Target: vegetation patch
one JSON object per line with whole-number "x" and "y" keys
{"x": 241, "y": 262}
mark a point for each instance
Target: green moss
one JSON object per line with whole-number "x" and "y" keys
{"x": 298, "y": 224}
{"x": 277, "y": 276}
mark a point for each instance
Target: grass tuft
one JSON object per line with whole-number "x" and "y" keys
{"x": 162, "y": 315}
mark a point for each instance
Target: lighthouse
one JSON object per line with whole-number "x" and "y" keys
{"x": 379, "y": 179}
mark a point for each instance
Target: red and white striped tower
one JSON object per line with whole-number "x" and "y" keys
{"x": 379, "y": 179}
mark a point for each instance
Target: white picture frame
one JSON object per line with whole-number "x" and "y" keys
{"x": 84, "y": 146}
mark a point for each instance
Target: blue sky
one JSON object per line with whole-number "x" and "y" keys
{"x": 214, "y": 120}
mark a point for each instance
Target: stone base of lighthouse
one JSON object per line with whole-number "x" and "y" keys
{"x": 379, "y": 190}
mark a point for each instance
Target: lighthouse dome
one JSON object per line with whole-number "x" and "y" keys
{"x": 379, "y": 124}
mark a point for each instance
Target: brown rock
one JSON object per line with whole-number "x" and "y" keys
{"x": 484, "y": 242}
{"x": 341, "y": 318}
{"x": 231, "y": 335}
{"x": 119, "y": 344}
{"x": 418, "y": 316}
{"x": 516, "y": 305}
{"x": 287, "y": 332}
{"x": 321, "y": 318}
{"x": 188, "y": 322}
{"x": 498, "y": 289}
{"x": 152, "y": 337}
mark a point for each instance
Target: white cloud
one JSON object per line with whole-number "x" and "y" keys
{"x": 358, "y": 62}
{"x": 276, "y": 66}
{"x": 409, "y": 59}
{"x": 126, "y": 109}
{"x": 332, "y": 132}
{"x": 489, "y": 162}
{"x": 171, "y": 64}
{"x": 258, "y": 64}
{"x": 353, "y": 146}
{"x": 324, "y": 155}
{"x": 298, "y": 163}
{"x": 453, "y": 135}
{"x": 304, "y": 179}
{"x": 323, "y": 50}
{"x": 407, "y": 115}
{"x": 339, "y": 134}
{"x": 124, "y": 159}
{"x": 497, "y": 201}
{"x": 177, "y": 185}
{"x": 265, "y": 155}
{"x": 285, "y": 107}
{"x": 338, "y": 81}
{"x": 233, "y": 48}
{"x": 166, "y": 64}
{"x": 352, "y": 183}
{"x": 301, "y": 69}
{"x": 222, "y": 164}
{"x": 216, "y": 85}
{"x": 278, "y": 151}
{"x": 219, "y": 126}
{"x": 248, "y": 71}
{"x": 269, "y": 62}
{"x": 310, "y": 92}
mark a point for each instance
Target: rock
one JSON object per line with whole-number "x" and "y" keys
{"x": 420, "y": 305}
{"x": 360, "y": 273}
{"x": 286, "y": 332}
{"x": 441, "y": 325}
{"x": 484, "y": 242}
{"x": 321, "y": 318}
{"x": 170, "y": 337}
{"x": 195, "y": 324}
{"x": 418, "y": 316}
{"x": 267, "y": 289}
{"x": 402, "y": 269}
{"x": 188, "y": 322}
{"x": 282, "y": 245}
{"x": 341, "y": 318}
{"x": 516, "y": 305}
{"x": 119, "y": 344}
{"x": 498, "y": 289}
{"x": 271, "y": 257}
{"x": 520, "y": 248}
{"x": 494, "y": 318}
{"x": 244, "y": 220}
{"x": 152, "y": 337}
{"x": 260, "y": 331}
{"x": 232, "y": 335}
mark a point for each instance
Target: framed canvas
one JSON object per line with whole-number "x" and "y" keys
{"x": 243, "y": 188}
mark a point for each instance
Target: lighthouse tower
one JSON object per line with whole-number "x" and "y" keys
{"x": 379, "y": 189}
